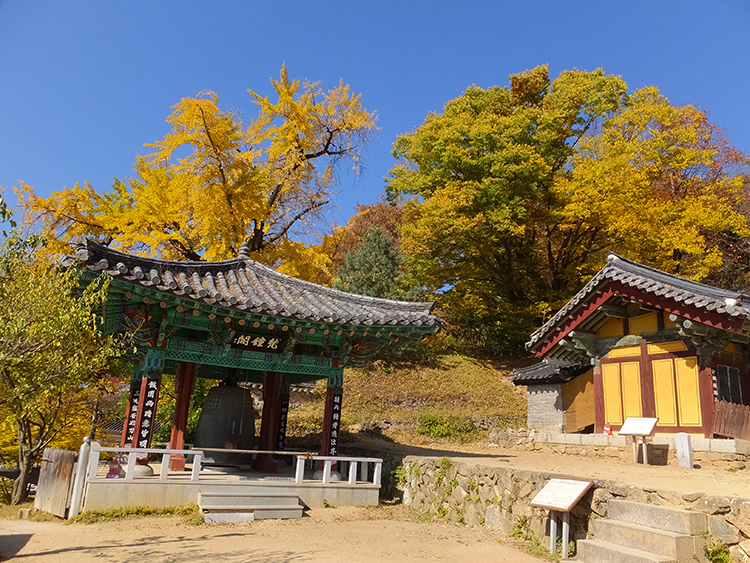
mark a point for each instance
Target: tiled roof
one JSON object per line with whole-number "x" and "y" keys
{"x": 549, "y": 370}
{"x": 652, "y": 281}
{"x": 247, "y": 285}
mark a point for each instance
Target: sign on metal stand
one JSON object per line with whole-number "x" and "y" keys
{"x": 638, "y": 427}
{"x": 560, "y": 495}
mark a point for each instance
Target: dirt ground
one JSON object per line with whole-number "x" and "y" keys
{"x": 358, "y": 535}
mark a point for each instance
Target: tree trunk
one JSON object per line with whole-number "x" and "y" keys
{"x": 21, "y": 484}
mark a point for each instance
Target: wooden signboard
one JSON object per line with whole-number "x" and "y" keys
{"x": 561, "y": 495}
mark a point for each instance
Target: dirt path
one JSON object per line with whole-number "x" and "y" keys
{"x": 356, "y": 535}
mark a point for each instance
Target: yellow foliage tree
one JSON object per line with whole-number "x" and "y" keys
{"x": 657, "y": 182}
{"x": 258, "y": 183}
{"x": 517, "y": 193}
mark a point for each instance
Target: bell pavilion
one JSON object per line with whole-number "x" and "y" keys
{"x": 242, "y": 321}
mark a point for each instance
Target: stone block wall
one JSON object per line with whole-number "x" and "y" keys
{"x": 499, "y": 498}
{"x": 545, "y": 412}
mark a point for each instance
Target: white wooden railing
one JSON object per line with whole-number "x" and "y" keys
{"x": 90, "y": 454}
{"x": 133, "y": 454}
{"x": 353, "y": 462}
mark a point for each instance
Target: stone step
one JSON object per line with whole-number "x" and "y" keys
{"x": 246, "y": 499}
{"x": 658, "y": 517}
{"x": 668, "y": 544}
{"x": 259, "y": 511}
{"x": 600, "y": 551}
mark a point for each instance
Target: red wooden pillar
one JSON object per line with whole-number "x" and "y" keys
{"x": 185, "y": 384}
{"x": 706, "y": 390}
{"x": 598, "y": 400}
{"x": 269, "y": 425}
{"x": 329, "y": 443}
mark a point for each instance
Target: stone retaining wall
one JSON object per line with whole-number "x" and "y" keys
{"x": 499, "y": 498}
{"x": 661, "y": 451}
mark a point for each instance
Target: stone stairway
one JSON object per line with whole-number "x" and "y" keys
{"x": 217, "y": 506}
{"x": 644, "y": 533}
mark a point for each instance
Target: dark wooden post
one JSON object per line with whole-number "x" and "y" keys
{"x": 283, "y": 414}
{"x": 142, "y": 413}
{"x": 185, "y": 384}
{"x": 131, "y": 419}
{"x": 147, "y": 411}
{"x": 269, "y": 425}
{"x": 329, "y": 444}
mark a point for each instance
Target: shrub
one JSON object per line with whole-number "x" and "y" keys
{"x": 437, "y": 426}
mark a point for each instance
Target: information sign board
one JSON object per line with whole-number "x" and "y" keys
{"x": 561, "y": 494}
{"x": 638, "y": 426}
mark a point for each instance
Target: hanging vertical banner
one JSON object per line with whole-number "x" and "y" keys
{"x": 284, "y": 411}
{"x": 148, "y": 413}
{"x": 335, "y": 424}
{"x": 129, "y": 434}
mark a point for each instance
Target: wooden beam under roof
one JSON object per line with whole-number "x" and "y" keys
{"x": 614, "y": 311}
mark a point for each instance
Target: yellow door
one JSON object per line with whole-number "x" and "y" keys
{"x": 631, "y": 389}
{"x": 688, "y": 391}
{"x": 612, "y": 396}
{"x": 664, "y": 392}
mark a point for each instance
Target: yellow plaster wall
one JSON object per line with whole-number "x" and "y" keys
{"x": 578, "y": 402}
{"x": 645, "y": 324}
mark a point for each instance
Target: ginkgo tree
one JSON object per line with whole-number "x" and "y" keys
{"x": 657, "y": 182}
{"x": 513, "y": 195}
{"x": 215, "y": 182}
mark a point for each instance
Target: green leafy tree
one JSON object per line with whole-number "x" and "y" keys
{"x": 54, "y": 360}
{"x": 375, "y": 269}
{"x": 515, "y": 193}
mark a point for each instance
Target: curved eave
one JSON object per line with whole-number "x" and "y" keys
{"x": 249, "y": 287}
{"x": 641, "y": 283}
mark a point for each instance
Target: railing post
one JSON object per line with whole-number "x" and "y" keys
{"x": 130, "y": 472}
{"x": 93, "y": 461}
{"x": 196, "y": 467}
{"x": 164, "y": 473}
{"x": 299, "y": 474}
{"x": 80, "y": 478}
{"x": 363, "y": 471}
{"x": 376, "y": 473}
{"x": 352, "y": 472}
{"x": 327, "y": 471}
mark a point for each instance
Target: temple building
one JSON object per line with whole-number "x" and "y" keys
{"x": 239, "y": 321}
{"x": 638, "y": 342}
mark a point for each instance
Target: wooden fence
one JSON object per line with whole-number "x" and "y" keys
{"x": 55, "y": 481}
{"x": 731, "y": 420}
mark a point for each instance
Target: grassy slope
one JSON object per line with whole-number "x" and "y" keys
{"x": 393, "y": 397}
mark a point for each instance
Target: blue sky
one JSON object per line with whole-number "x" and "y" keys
{"x": 86, "y": 83}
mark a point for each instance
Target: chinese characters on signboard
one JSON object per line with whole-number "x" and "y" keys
{"x": 259, "y": 343}
{"x": 148, "y": 414}
{"x": 132, "y": 416}
{"x": 282, "y": 420}
{"x": 335, "y": 424}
